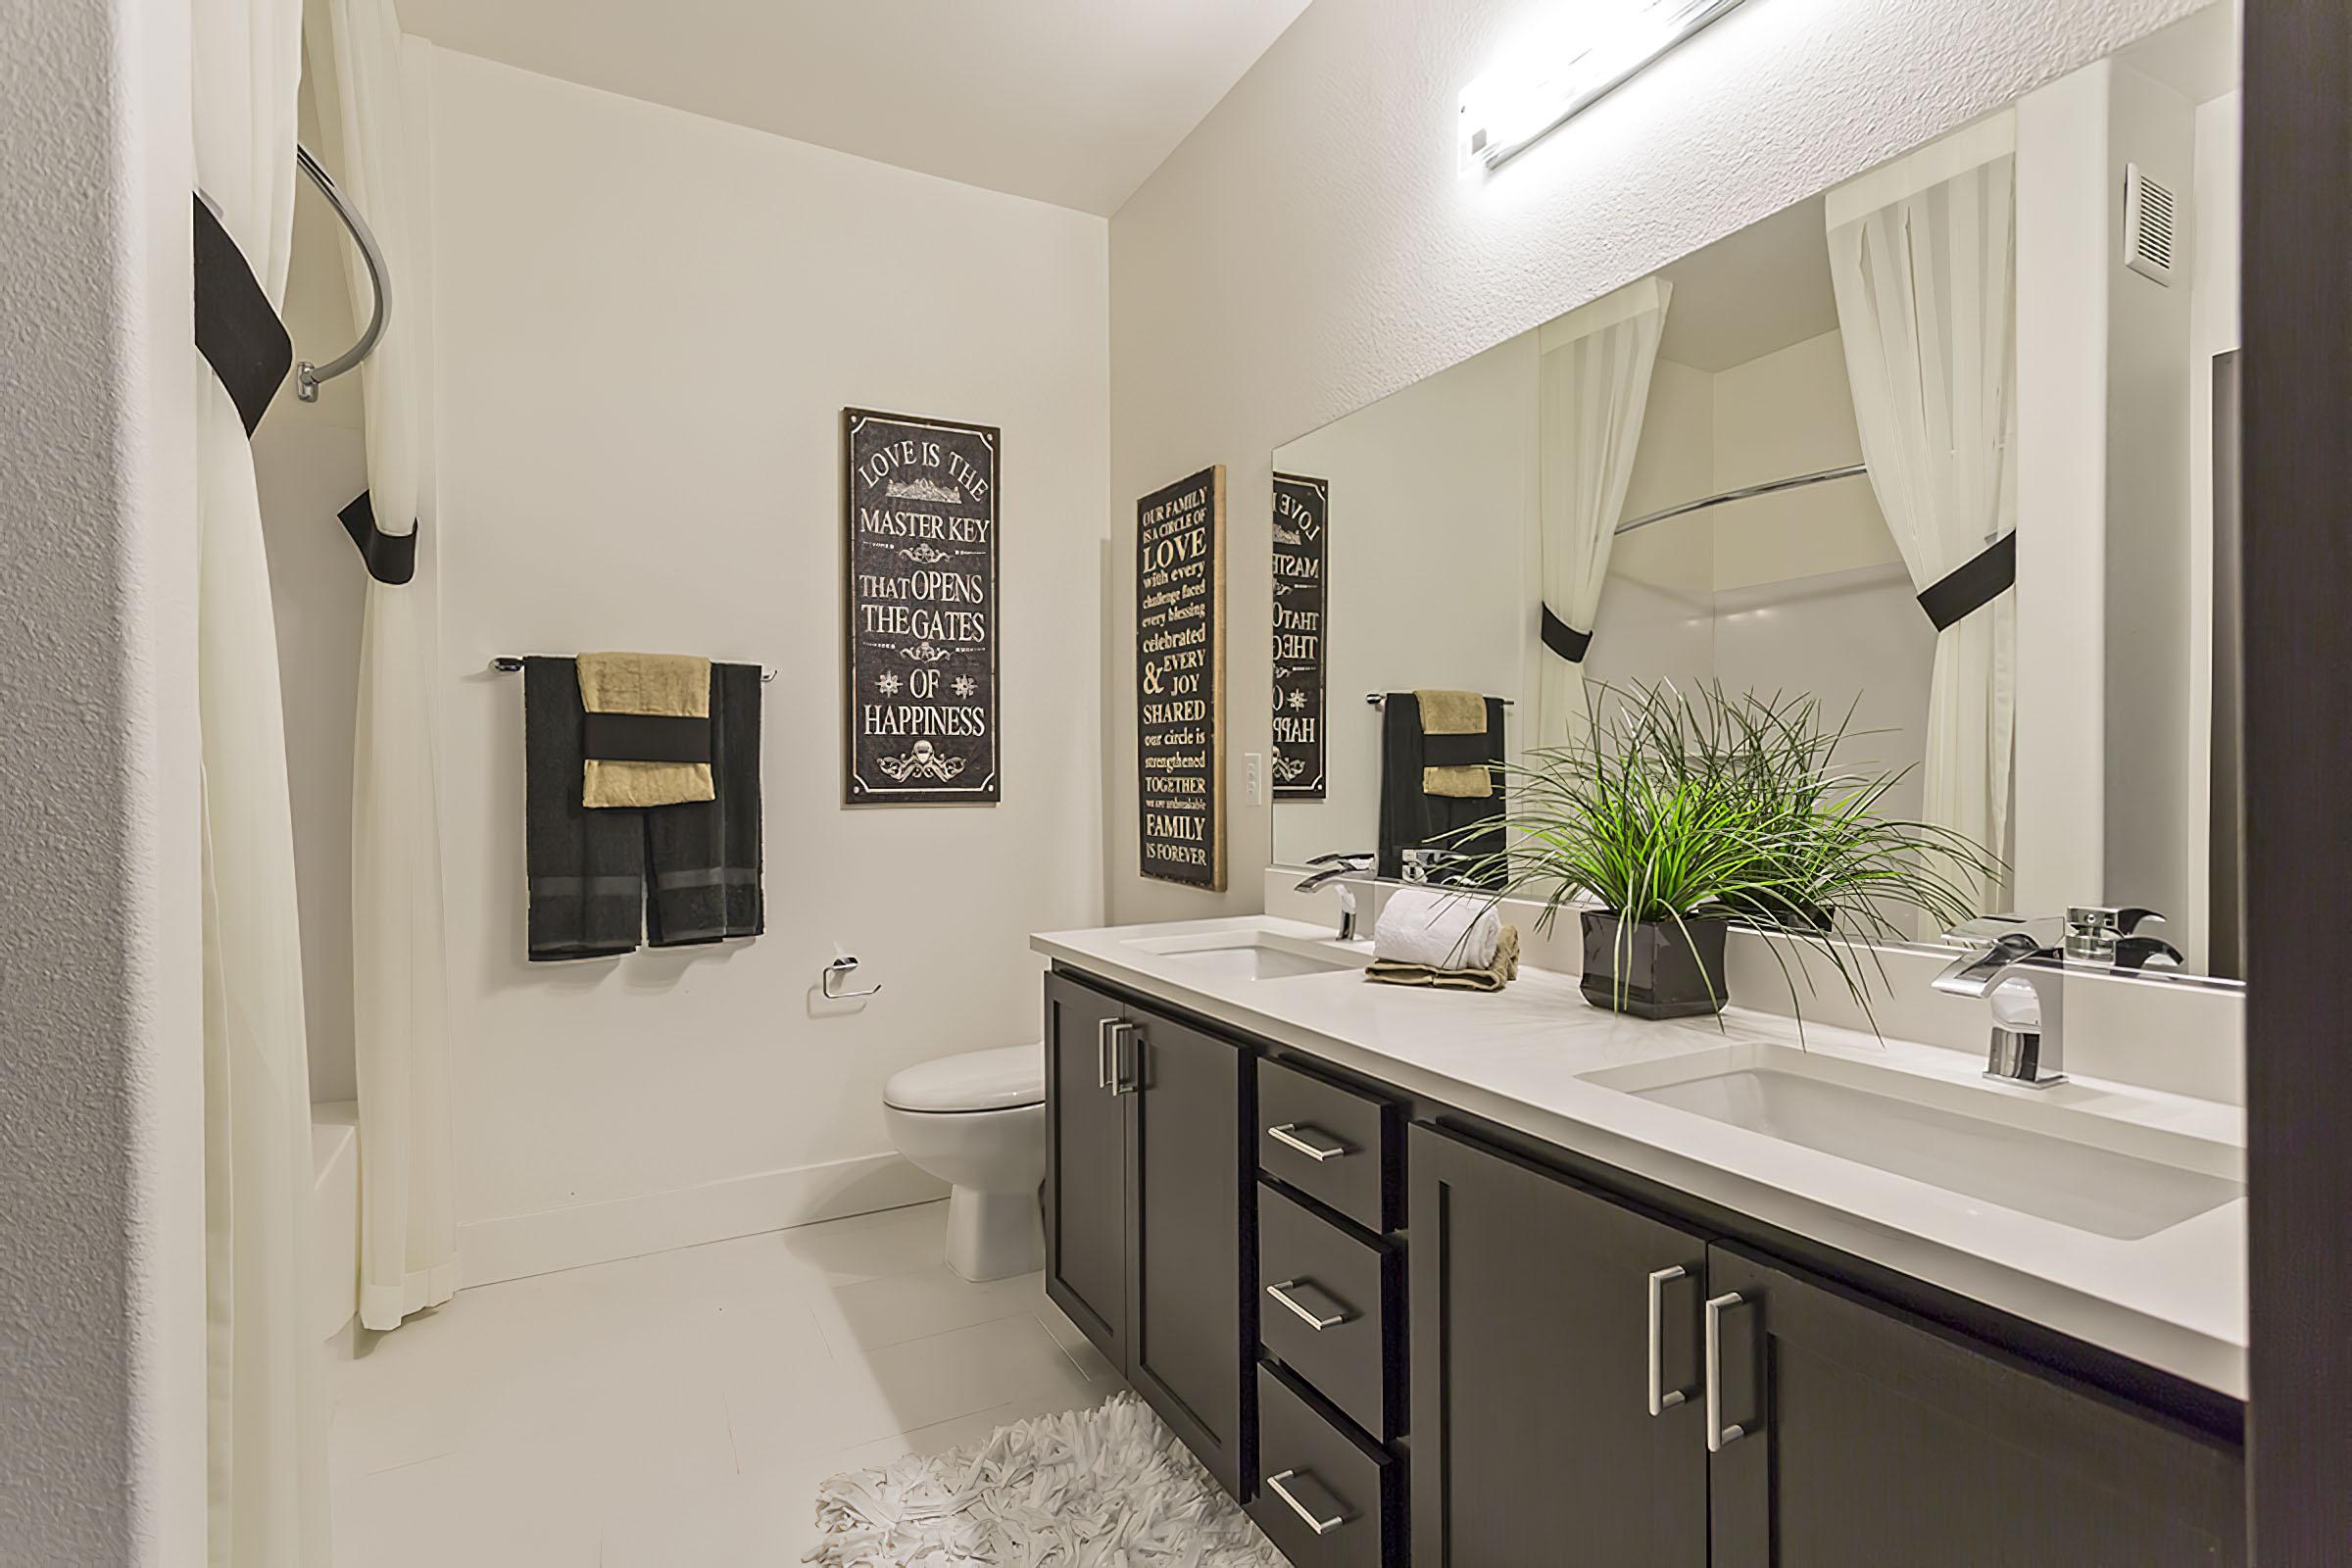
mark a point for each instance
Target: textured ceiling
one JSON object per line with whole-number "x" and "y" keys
{"x": 1073, "y": 102}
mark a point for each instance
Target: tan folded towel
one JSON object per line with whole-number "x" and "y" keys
{"x": 1501, "y": 973}
{"x": 1455, "y": 713}
{"x": 669, "y": 685}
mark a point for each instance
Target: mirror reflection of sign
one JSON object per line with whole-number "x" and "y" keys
{"x": 1301, "y": 606}
{"x": 921, "y": 513}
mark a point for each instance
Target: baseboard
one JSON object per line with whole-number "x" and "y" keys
{"x": 516, "y": 1245}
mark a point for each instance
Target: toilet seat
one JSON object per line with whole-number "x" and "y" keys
{"x": 1007, "y": 1078}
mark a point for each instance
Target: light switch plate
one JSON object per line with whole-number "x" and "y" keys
{"x": 1253, "y": 777}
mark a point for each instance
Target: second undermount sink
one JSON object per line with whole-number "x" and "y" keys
{"x": 1250, "y": 954}
{"x": 2033, "y": 1158}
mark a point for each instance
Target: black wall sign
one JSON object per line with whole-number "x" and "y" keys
{"x": 919, "y": 610}
{"x": 1180, "y": 679}
{"x": 1302, "y": 559}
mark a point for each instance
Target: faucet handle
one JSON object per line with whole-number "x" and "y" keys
{"x": 2093, "y": 932}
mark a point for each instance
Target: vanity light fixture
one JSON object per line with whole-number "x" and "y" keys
{"x": 1517, "y": 104}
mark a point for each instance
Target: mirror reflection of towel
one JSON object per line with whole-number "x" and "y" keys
{"x": 1455, "y": 759}
{"x": 1411, "y": 817}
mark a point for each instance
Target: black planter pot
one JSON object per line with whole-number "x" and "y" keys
{"x": 1658, "y": 969}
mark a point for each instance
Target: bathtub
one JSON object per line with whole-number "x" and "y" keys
{"x": 334, "y": 1216}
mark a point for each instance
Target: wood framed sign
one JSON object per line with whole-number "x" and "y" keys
{"x": 1301, "y": 562}
{"x": 1180, "y": 680}
{"x": 919, "y": 501}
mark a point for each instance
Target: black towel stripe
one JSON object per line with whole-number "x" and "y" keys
{"x": 1972, "y": 585}
{"x": 647, "y": 738}
{"x": 391, "y": 558}
{"x": 1563, "y": 639}
{"x": 237, "y": 333}
{"x": 1456, "y": 751}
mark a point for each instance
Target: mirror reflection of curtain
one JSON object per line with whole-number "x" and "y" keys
{"x": 266, "y": 1406}
{"x": 408, "y": 1218}
{"x": 1592, "y": 391}
{"x": 1923, "y": 258}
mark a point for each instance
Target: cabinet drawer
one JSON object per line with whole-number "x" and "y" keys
{"x": 1329, "y": 1311}
{"x": 1324, "y": 1496}
{"x": 1333, "y": 1144}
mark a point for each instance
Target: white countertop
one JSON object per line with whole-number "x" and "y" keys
{"x": 2175, "y": 1300}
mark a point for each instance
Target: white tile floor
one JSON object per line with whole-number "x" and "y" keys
{"x": 678, "y": 1411}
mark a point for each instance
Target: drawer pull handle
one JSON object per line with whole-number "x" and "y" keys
{"x": 1102, "y": 1053}
{"x": 1662, "y": 1399}
{"x": 1315, "y": 1522}
{"x": 1289, "y": 1135}
{"x": 1719, "y": 1435}
{"x": 1281, "y": 1292}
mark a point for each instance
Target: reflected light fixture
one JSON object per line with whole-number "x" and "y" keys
{"x": 1517, "y": 104}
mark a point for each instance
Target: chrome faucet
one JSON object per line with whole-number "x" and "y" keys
{"x": 2028, "y": 1040}
{"x": 1342, "y": 869}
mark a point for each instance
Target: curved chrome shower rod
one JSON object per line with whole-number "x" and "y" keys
{"x": 308, "y": 376}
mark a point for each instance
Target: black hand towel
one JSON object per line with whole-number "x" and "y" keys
{"x": 586, "y": 869}
{"x": 706, "y": 854}
{"x": 1410, "y": 817}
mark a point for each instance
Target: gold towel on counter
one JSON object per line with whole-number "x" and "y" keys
{"x": 663, "y": 685}
{"x": 1455, "y": 713}
{"x": 1501, "y": 973}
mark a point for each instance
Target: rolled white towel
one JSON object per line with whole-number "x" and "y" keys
{"x": 1441, "y": 928}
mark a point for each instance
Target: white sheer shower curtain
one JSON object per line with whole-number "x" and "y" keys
{"x": 1924, "y": 259}
{"x": 1592, "y": 392}
{"x": 408, "y": 1231}
{"x": 265, "y": 1426}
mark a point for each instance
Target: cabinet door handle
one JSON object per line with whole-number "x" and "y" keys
{"x": 1314, "y": 1521}
{"x": 1102, "y": 1053}
{"x": 1120, "y": 1033}
{"x": 1661, "y": 1398}
{"x": 1281, "y": 1292}
{"x": 1290, "y": 1135}
{"x": 1719, "y": 1435}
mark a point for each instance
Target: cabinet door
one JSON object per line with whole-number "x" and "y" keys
{"x": 1533, "y": 1440}
{"x": 1872, "y": 1437}
{"x": 1192, "y": 1263}
{"x": 1086, "y": 1167}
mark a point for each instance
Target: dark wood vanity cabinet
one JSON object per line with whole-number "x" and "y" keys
{"x": 1869, "y": 1436}
{"x": 1149, "y": 1250}
{"x": 1865, "y": 1435}
{"x": 1533, "y": 1440}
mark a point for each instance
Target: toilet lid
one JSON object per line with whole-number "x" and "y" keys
{"x": 1004, "y": 1079}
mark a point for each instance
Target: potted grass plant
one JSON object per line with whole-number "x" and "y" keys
{"x": 1675, "y": 816}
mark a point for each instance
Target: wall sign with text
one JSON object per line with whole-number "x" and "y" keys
{"x": 1302, "y": 559}
{"x": 919, "y": 610}
{"x": 1180, "y": 679}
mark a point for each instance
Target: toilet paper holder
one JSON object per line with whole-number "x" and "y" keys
{"x": 834, "y": 973}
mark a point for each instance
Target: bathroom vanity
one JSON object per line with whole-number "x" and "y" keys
{"x": 1475, "y": 1281}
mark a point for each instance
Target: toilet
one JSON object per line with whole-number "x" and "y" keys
{"x": 977, "y": 1121}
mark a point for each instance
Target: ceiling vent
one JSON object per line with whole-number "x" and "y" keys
{"x": 2152, "y": 226}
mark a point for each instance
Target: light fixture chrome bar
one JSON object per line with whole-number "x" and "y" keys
{"x": 308, "y": 376}
{"x": 1515, "y": 107}
{"x": 1746, "y": 493}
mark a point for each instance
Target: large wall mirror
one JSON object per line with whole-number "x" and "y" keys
{"x": 1950, "y": 447}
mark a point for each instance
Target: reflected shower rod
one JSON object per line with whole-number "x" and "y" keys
{"x": 1747, "y": 493}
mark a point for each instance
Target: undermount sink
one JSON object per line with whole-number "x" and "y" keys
{"x": 2037, "y": 1158}
{"x": 1249, "y": 955}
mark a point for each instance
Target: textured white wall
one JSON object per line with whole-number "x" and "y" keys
{"x": 647, "y": 324}
{"x": 101, "y": 1089}
{"x": 1311, "y": 247}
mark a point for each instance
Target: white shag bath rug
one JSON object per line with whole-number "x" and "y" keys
{"x": 1106, "y": 1488}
